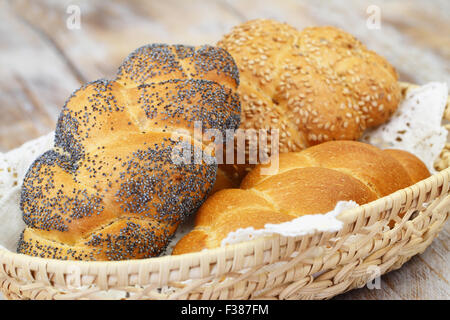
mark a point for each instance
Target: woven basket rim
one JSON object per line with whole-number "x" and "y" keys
{"x": 246, "y": 248}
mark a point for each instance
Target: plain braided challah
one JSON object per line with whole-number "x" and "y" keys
{"x": 308, "y": 182}
{"x": 109, "y": 189}
{"x": 314, "y": 85}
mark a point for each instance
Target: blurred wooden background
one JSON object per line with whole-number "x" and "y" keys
{"x": 43, "y": 59}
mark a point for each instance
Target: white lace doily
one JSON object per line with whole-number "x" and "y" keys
{"x": 13, "y": 167}
{"x": 416, "y": 125}
{"x": 15, "y": 163}
{"x": 297, "y": 227}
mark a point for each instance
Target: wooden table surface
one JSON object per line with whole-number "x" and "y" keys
{"x": 43, "y": 59}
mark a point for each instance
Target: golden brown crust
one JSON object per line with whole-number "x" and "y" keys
{"x": 194, "y": 241}
{"x": 415, "y": 168}
{"x": 308, "y": 182}
{"x": 110, "y": 188}
{"x": 361, "y": 160}
{"x": 314, "y": 85}
{"x": 239, "y": 209}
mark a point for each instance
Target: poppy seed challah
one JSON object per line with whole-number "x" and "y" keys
{"x": 109, "y": 189}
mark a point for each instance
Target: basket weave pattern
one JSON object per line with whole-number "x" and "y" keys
{"x": 316, "y": 266}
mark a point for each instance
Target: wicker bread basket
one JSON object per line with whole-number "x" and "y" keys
{"x": 316, "y": 266}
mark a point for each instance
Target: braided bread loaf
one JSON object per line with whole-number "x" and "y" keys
{"x": 314, "y": 85}
{"x": 109, "y": 189}
{"x": 308, "y": 182}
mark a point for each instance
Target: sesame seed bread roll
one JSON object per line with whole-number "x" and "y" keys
{"x": 315, "y": 85}
{"x": 311, "y": 181}
{"x": 110, "y": 189}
